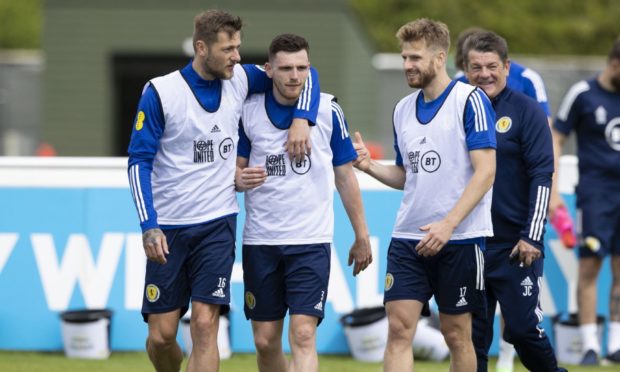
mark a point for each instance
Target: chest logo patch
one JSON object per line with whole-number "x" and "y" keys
{"x": 503, "y": 124}
{"x": 275, "y": 165}
{"x": 226, "y": 148}
{"x": 600, "y": 115}
{"x": 203, "y": 151}
{"x": 612, "y": 133}
{"x": 301, "y": 166}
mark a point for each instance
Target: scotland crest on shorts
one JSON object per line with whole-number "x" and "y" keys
{"x": 389, "y": 281}
{"x": 250, "y": 300}
{"x": 152, "y": 293}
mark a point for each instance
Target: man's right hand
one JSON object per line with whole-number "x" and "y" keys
{"x": 249, "y": 178}
{"x": 155, "y": 245}
{"x": 363, "y": 155}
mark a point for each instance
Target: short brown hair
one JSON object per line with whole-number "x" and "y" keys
{"x": 460, "y": 41}
{"x": 434, "y": 33}
{"x": 614, "y": 53}
{"x": 288, "y": 43}
{"x": 209, "y": 23}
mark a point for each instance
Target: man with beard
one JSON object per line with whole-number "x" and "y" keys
{"x": 181, "y": 173}
{"x": 445, "y": 162}
{"x": 514, "y": 255}
{"x": 592, "y": 109}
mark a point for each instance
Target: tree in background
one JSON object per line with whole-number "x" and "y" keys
{"x": 529, "y": 26}
{"x": 20, "y": 24}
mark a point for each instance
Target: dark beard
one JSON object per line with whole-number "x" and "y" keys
{"x": 425, "y": 79}
{"x": 217, "y": 74}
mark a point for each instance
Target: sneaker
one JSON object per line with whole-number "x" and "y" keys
{"x": 614, "y": 357}
{"x": 590, "y": 358}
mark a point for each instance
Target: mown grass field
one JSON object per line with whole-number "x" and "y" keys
{"x": 133, "y": 362}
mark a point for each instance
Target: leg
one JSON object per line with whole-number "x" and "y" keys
{"x": 456, "y": 329}
{"x": 505, "y": 359}
{"x": 519, "y": 301}
{"x": 613, "y": 345}
{"x": 268, "y": 342}
{"x": 161, "y": 344}
{"x": 482, "y": 331}
{"x": 204, "y": 326}
{"x": 589, "y": 268}
{"x": 614, "y": 297}
{"x": 302, "y": 337}
{"x": 403, "y": 318}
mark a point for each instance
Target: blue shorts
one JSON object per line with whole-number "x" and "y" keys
{"x": 455, "y": 276}
{"x": 281, "y": 277}
{"x": 198, "y": 268}
{"x": 600, "y": 224}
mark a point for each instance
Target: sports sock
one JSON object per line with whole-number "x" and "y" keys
{"x": 589, "y": 335}
{"x": 505, "y": 359}
{"x": 613, "y": 339}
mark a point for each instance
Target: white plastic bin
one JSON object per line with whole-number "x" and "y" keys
{"x": 568, "y": 342}
{"x": 366, "y": 332}
{"x": 86, "y": 333}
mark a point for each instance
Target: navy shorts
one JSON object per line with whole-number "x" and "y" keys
{"x": 281, "y": 277}
{"x": 598, "y": 224}
{"x": 455, "y": 276}
{"x": 198, "y": 268}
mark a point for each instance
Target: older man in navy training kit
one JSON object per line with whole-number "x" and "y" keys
{"x": 514, "y": 255}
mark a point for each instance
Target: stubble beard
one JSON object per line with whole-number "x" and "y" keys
{"x": 425, "y": 78}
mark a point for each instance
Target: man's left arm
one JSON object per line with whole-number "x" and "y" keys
{"x": 537, "y": 154}
{"x": 343, "y": 154}
{"x": 348, "y": 188}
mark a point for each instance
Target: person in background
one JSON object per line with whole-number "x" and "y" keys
{"x": 592, "y": 110}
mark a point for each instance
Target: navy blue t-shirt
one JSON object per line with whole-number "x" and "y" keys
{"x": 594, "y": 114}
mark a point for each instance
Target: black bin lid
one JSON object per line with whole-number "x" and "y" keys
{"x": 362, "y": 317}
{"x": 86, "y": 315}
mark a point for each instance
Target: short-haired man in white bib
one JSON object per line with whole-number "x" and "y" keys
{"x": 289, "y": 210}
{"x": 445, "y": 162}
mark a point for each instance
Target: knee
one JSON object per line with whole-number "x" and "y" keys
{"x": 204, "y": 326}
{"x": 266, "y": 343}
{"x": 517, "y": 335}
{"x": 303, "y": 336}
{"x": 159, "y": 339}
{"x": 400, "y": 330}
{"x": 456, "y": 338}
